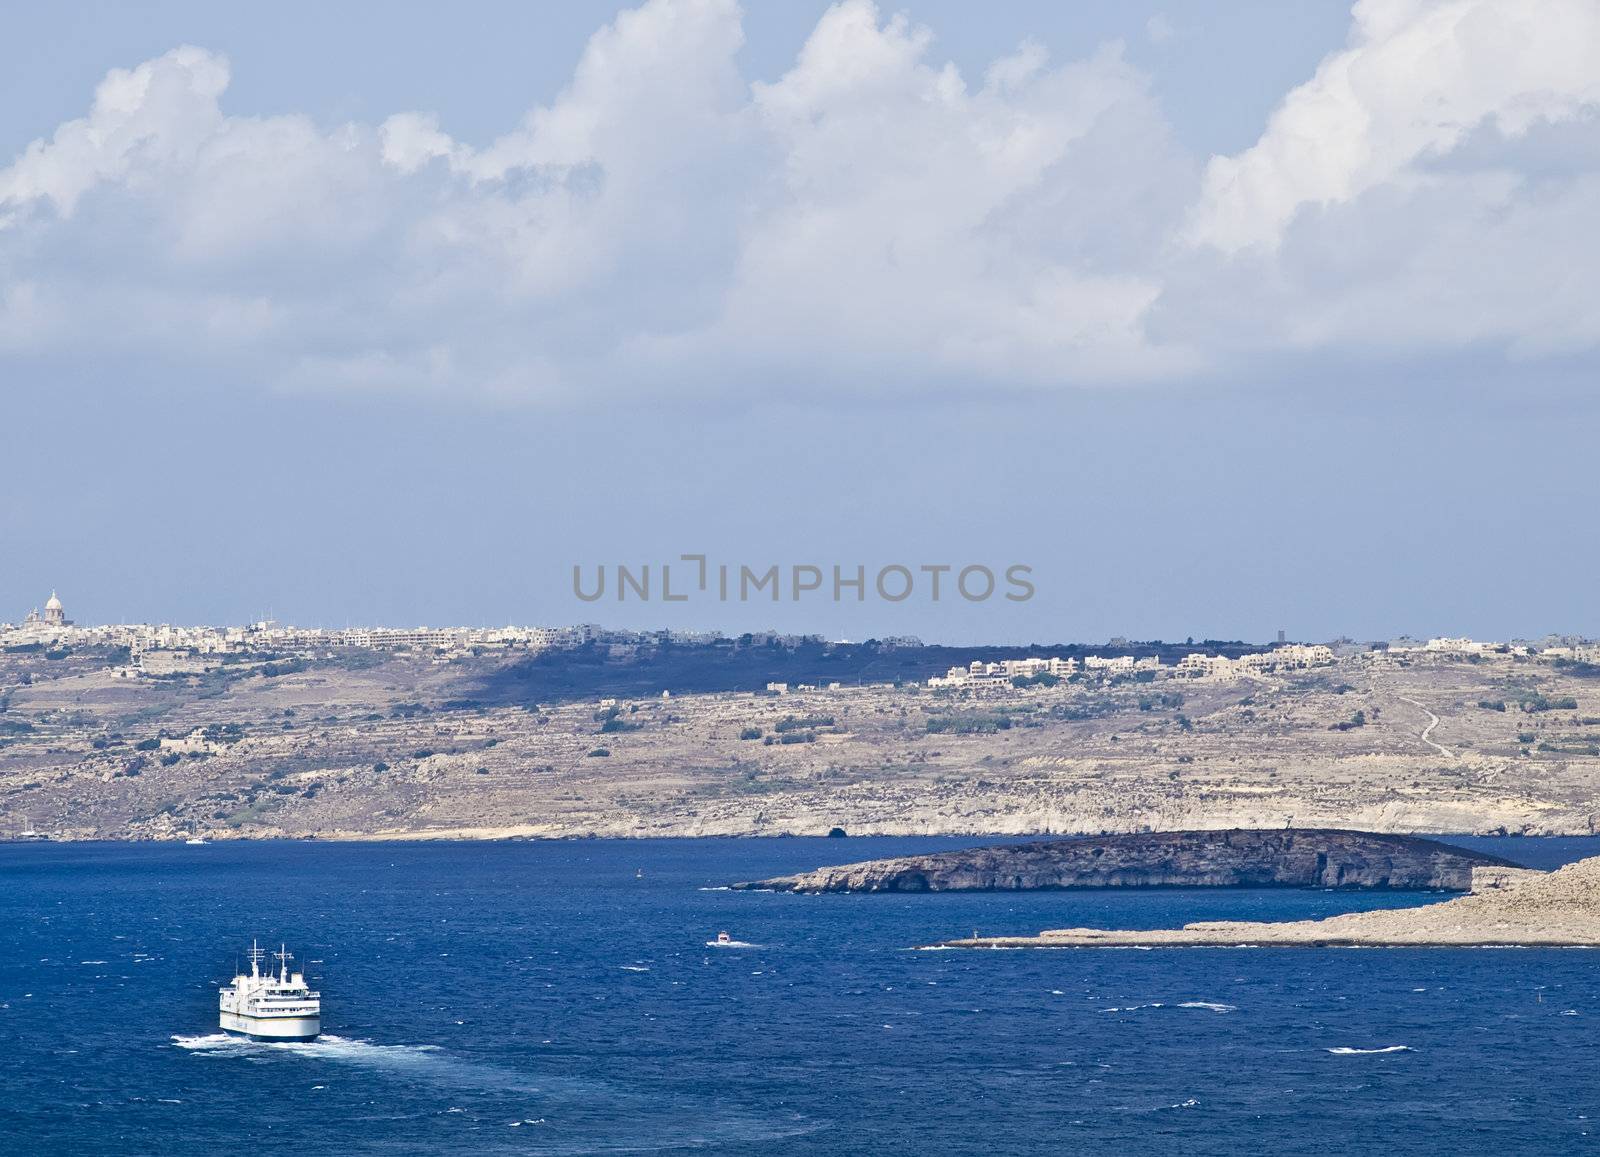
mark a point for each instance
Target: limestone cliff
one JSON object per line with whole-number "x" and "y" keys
{"x": 1287, "y": 858}
{"x": 1509, "y": 909}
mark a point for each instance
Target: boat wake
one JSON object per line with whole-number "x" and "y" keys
{"x": 327, "y": 1046}
{"x": 595, "y": 1115}
{"x": 730, "y": 944}
{"x": 1349, "y": 1052}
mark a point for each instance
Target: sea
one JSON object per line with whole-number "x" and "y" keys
{"x": 560, "y": 998}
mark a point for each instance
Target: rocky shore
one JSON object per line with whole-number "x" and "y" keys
{"x": 1283, "y": 858}
{"x": 1508, "y": 908}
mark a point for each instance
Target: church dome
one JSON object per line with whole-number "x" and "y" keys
{"x": 54, "y": 604}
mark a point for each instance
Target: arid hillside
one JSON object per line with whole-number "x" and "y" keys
{"x": 377, "y": 745}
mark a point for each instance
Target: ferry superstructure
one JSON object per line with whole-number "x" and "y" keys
{"x": 271, "y": 1007}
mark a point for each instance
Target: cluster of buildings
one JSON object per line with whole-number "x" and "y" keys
{"x": 1448, "y": 646}
{"x": 1290, "y": 657}
{"x": 164, "y": 649}
{"x": 1005, "y": 672}
{"x": 1282, "y": 658}
{"x": 160, "y": 649}
{"x": 157, "y": 648}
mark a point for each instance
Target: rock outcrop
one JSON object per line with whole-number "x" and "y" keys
{"x": 1559, "y": 909}
{"x": 1282, "y": 858}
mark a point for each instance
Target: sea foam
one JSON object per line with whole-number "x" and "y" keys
{"x": 1349, "y": 1052}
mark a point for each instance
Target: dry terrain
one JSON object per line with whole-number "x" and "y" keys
{"x": 1516, "y": 908}
{"x": 389, "y": 746}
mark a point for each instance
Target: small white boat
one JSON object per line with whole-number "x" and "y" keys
{"x": 723, "y": 940}
{"x": 196, "y": 841}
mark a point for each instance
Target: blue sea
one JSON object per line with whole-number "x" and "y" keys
{"x": 559, "y": 998}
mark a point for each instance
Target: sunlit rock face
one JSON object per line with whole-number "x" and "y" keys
{"x": 1286, "y": 858}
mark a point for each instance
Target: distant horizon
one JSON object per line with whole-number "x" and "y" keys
{"x": 636, "y": 627}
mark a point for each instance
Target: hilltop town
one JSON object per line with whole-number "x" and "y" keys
{"x": 136, "y": 732}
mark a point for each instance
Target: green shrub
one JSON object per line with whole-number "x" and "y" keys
{"x": 968, "y": 724}
{"x": 802, "y": 723}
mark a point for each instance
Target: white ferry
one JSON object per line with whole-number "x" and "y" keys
{"x": 268, "y": 1007}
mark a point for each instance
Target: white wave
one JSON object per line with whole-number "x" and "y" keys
{"x": 730, "y": 944}
{"x": 1349, "y": 1052}
{"x": 343, "y": 1048}
{"x": 1214, "y": 1007}
{"x": 327, "y": 1046}
{"x": 635, "y": 968}
{"x": 208, "y": 1041}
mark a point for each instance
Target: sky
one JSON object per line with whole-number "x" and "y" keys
{"x": 1220, "y": 319}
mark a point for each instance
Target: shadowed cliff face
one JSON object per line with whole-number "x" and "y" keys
{"x": 1295, "y": 858}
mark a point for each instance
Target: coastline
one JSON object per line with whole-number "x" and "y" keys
{"x": 1524, "y": 908}
{"x": 1111, "y": 939}
{"x": 560, "y": 832}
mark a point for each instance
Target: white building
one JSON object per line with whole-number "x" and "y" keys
{"x": 1292, "y": 657}
{"x": 998, "y": 674}
{"x": 195, "y": 743}
{"x": 1198, "y": 666}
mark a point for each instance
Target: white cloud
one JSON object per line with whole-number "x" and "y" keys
{"x": 871, "y": 220}
{"x": 1417, "y": 79}
{"x": 1432, "y": 188}
{"x": 142, "y": 120}
{"x": 410, "y": 140}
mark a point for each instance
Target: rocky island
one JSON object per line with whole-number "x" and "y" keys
{"x": 1508, "y": 908}
{"x": 1236, "y": 857}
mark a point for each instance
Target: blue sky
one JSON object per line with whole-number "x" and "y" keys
{"x": 1223, "y": 320}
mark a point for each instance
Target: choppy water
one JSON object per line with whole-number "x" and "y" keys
{"x": 541, "y": 998}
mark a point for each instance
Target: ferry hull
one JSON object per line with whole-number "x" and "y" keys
{"x": 277, "y": 1028}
